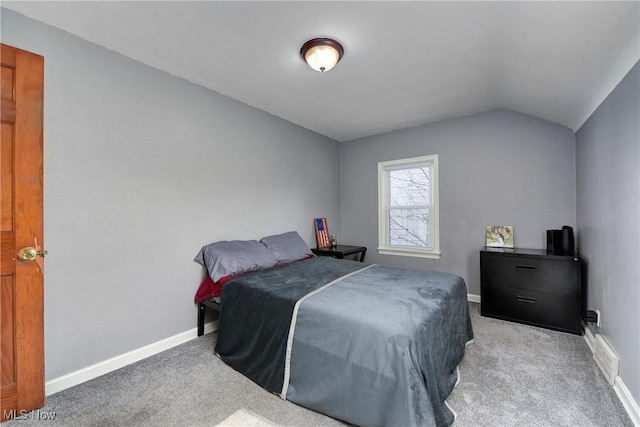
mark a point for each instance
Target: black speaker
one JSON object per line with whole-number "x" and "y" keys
{"x": 568, "y": 245}
{"x": 560, "y": 242}
{"x": 554, "y": 241}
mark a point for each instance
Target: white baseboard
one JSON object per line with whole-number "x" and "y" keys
{"x": 589, "y": 338}
{"x": 627, "y": 401}
{"x": 90, "y": 372}
{"x": 473, "y": 298}
{"x": 619, "y": 387}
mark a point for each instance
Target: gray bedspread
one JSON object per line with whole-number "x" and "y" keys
{"x": 379, "y": 347}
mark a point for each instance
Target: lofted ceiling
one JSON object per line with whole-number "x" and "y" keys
{"x": 405, "y": 63}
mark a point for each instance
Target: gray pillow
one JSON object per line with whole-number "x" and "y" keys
{"x": 287, "y": 247}
{"x": 226, "y": 258}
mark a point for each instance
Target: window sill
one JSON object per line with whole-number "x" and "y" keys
{"x": 409, "y": 252}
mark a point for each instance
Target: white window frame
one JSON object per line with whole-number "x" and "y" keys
{"x": 384, "y": 247}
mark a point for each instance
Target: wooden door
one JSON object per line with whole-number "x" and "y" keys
{"x": 21, "y": 224}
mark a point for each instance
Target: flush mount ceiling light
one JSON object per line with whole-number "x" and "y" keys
{"x": 322, "y": 54}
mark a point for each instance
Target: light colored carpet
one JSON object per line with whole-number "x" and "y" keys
{"x": 519, "y": 375}
{"x": 512, "y": 375}
{"x": 245, "y": 418}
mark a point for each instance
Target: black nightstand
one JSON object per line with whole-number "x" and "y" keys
{"x": 341, "y": 251}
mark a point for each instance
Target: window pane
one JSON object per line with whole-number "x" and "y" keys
{"x": 409, "y": 187}
{"x": 408, "y": 207}
{"x": 409, "y": 227}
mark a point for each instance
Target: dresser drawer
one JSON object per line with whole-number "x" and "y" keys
{"x": 538, "y": 274}
{"x": 544, "y": 309}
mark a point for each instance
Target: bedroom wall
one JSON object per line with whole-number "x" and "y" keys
{"x": 496, "y": 168}
{"x": 608, "y": 197}
{"x": 141, "y": 170}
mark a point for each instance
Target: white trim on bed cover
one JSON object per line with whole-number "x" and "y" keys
{"x": 292, "y": 327}
{"x": 455, "y": 414}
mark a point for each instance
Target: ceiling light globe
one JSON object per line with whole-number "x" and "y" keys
{"x": 322, "y": 54}
{"x": 322, "y": 58}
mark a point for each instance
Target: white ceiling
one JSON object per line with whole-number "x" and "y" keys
{"x": 405, "y": 63}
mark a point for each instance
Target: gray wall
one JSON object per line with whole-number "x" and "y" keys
{"x": 608, "y": 183}
{"x": 142, "y": 169}
{"x": 496, "y": 168}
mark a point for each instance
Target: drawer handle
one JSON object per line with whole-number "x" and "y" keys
{"x": 526, "y": 299}
{"x": 525, "y": 268}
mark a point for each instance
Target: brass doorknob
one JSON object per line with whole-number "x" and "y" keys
{"x": 29, "y": 253}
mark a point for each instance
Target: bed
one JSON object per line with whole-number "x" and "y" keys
{"x": 368, "y": 344}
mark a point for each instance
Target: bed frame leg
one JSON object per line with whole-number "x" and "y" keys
{"x": 201, "y": 310}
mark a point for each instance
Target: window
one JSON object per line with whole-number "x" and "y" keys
{"x": 408, "y": 207}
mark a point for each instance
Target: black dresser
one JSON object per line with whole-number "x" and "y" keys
{"x": 530, "y": 286}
